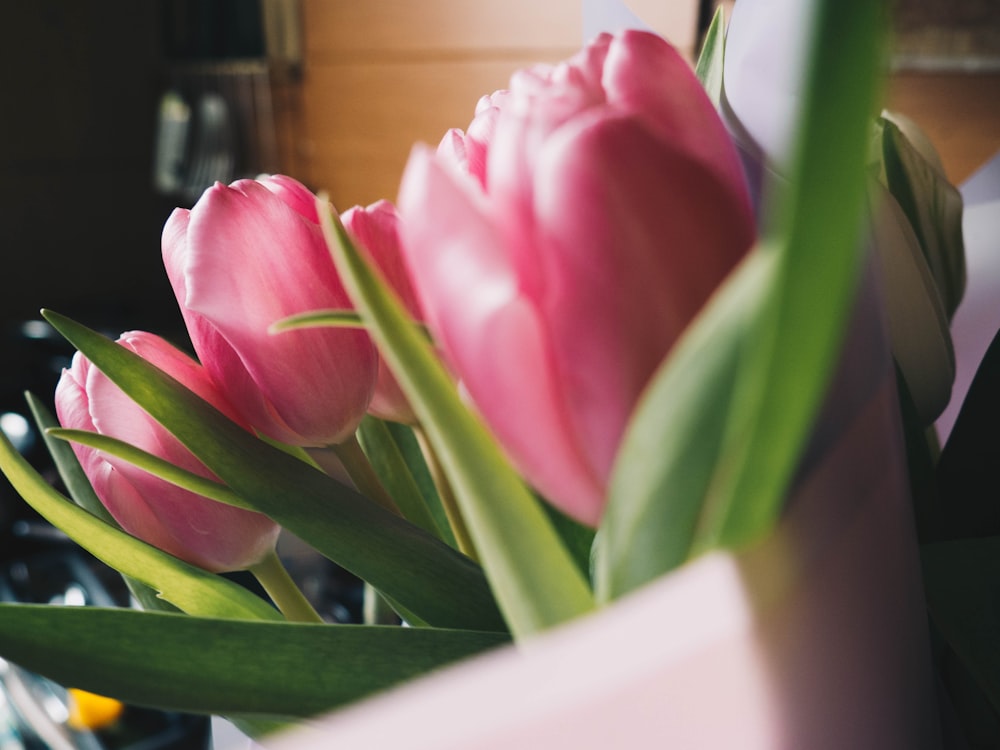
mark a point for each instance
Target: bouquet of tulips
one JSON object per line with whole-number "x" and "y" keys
{"x": 571, "y": 362}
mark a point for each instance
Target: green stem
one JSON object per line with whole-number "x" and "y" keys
{"x": 448, "y": 502}
{"x": 282, "y": 589}
{"x": 360, "y": 470}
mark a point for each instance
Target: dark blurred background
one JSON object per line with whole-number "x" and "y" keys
{"x": 80, "y": 219}
{"x": 114, "y": 113}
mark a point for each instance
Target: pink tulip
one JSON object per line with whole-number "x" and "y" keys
{"x": 211, "y": 535}
{"x": 376, "y": 229}
{"x": 243, "y": 258}
{"x": 563, "y": 243}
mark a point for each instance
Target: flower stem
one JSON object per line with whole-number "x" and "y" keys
{"x": 282, "y": 589}
{"x": 448, "y": 502}
{"x": 360, "y": 470}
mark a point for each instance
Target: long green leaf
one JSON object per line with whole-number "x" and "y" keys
{"x": 192, "y": 589}
{"x": 536, "y": 581}
{"x": 712, "y": 58}
{"x": 333, "y": 318}
{"x": 388, "y": 462}
{"x": 216, "y": 666}
{"x": 413, "y": 456}
{"x": 421, "y": 573}
{"x": 66, "y": 463}
{"x": 815, "y": 233}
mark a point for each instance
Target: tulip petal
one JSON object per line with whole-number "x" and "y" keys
{"x": 491, "y": 331}
{"x": 312, "y": 383}
{"x": 293, "y": 194}
{"x": 376, "y": 229}
{"x": 631, "y": 275}
{"x": 647, "y": 78}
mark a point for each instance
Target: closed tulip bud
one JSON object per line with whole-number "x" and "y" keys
{"x": 244, "y": 257}
{"x": 562, "y": 244}
{"x": 376, "y": 229}
{"x": 203, "y": 532}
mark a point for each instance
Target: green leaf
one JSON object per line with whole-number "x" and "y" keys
{"x": 662, "y": 476}
{"x": 327, "y": 319}
{"x": 421, "y": 573}
{"x": 962, "y": 584}
{"x": 577, "y": 537}
{"x": 388, "y": 462}
{"x": 712, "y": 58}
{"x": 814, "y": 231}
{"x": 536, "y": 581}
{"x": 203, "y": 665}
{"x": 410, "y": 448}
{"x": 933, "y": 207}
{"x": 319, "y": 319}
{"x": 154, "y": 465}
{"x": 67, "y": 464}
{"x": 192, "y": 589}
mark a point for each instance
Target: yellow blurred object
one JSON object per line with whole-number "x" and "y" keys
{"x": 92, "y": 711}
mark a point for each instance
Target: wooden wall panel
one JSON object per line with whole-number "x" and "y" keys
{"x": 364, "y": 118}
{"x": 960, "y": 112}
{"x": 338, "y": 28}
{"x": 381, "y": 75}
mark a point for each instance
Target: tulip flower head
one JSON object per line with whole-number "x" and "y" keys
{"x": 203, "y": 532}
{"x": 244, "y": 257}
{"x": 562, "y": 243}
{"x": 376, "y": 229}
